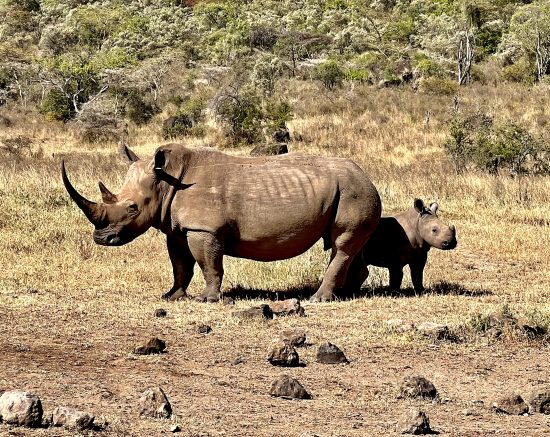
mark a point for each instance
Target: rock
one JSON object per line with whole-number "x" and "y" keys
{"x": 514, "y": 405}
{"x": 283, "y": 354}
{"x": 330, "y": 354}
{"x": 261, "y": 311}
{"x": 154, "y": 403}
{"x": 21, "y": 408}
{"x": 161, "y": 312}
{"x": 399, "y": 325}
{"x": 153, "y": 346}
{"x": 414, "y": 422}
{"x": 288, "y": 387}
{"x": 175, "y": 428}
{"x": 237, "y": 361}
{"x": 269, "y": 149}
{"x": 204, "y": 329}
{"x": 296, "y": 337}
{"x": 530, "y": 328}
{"x": 417, "y": 387}
{"x": 434, "y": 330}
{"x": 71, "y": 418}
{"x": 539, "y": 400}
{"x": 289, "y": 307}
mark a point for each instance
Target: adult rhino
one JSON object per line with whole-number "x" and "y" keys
{"x": 210, "y": 204}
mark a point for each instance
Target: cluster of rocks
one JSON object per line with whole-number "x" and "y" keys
{"x": 536, "y": 401}
{"x": 500, "y": 322}
{"x": 25, "y": 409}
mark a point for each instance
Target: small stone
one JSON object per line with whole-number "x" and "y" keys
{"x": 160, "y": 312}
{"x": 417, "y": 387}
{"x": 434, "y": 330}
{"x": 530, "y": 328}
{"x": 539, "y": 400}
{"x": 288, "y": 387}
{"x": 330, "y": 354}
{"x": 21, "y": 408}
{"x": 296, "y": 337}
{"x": 260, "y": 311}
{"x": 71, "y": 418}
{"x": 400, "y": 325}
{"x": 237, "y": 361}
{"x": 204, "y": 329}
{"x": 153, "y": 346}
{"x": 289, "y": 307}
{"x": 283, "y": 354}
{"x": 414, "y": 422}
{"x": 175, "y": 428}
{"x": 514, "y": 405}
{"x": 155, "y": 404}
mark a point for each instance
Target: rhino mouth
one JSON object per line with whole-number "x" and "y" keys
{"x": 110, "y": 237}
{"x": 448, "y": 245}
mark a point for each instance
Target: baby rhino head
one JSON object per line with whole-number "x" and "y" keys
{"x": 433, "y": 232}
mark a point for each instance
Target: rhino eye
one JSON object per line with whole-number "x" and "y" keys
{"x": 434, "y": 230}
{"x": 132, "y": 209}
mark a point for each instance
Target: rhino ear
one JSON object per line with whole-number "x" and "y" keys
{"x": 419, "y": 206}
{"x": 127, "y": 155}
{"x": 433, "y": 207}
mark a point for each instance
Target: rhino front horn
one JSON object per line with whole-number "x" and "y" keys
{"x": 91, "y": 210}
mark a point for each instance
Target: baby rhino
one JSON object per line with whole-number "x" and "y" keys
{"x": 405, "y": 239}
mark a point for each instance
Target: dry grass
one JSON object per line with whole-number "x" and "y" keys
{"x": 73, "y": 311}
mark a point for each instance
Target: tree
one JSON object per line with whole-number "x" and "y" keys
{"x": 529, "y": 36}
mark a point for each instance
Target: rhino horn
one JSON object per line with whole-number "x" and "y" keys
{"x": 91, "y": 210}
{"x": 106, "y": 195}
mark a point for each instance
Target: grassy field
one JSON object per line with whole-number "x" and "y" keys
{"x": 72, "y": 312}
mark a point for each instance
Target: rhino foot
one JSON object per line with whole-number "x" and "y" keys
{"x": 175, "y": 295}
{"x": 322, "y": 297}
{"x": 209, "y": 298}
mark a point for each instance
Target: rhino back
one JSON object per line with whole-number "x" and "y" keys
{"x": 267, "y": 203}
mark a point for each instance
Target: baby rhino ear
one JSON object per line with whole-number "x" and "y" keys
{"x": 126, "y": 154}
{"x": 419, "y": 206}
{"x": 433, "y": 207}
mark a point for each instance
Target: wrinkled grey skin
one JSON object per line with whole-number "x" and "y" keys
{"x": 210, "y": 204}
{"x": 404, "y": 239}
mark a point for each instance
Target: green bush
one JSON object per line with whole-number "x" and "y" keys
{"x": 522, "y": 71}
{"x": 187, "y": 119}
{"x": 56, "y": 106}
{"x": 478, "y": 142}
{"x": 277, "y": 114}
{"x": 330, "y": 74}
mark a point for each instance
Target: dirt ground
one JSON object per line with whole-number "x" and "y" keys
{"x": 79, "y": 355}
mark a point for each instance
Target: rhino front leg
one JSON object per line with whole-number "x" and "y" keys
{"x": 357, "y": 274}
{"x": 417, "y": 274}
{"x": 182, "y": 267}
{"x": 207, "y": 250}
{"x": 396, "y": 278}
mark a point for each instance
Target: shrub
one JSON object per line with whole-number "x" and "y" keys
{"x": 139, "y": 110}
{"x": 56, "y": 106}
{"x": 186, "y": 120}
{"x": 277, "y": 114}
{"x": 239, "y": 111}
{"x": 330, "y": 74}
{"x": 477, "y": 141}
{"x": 522, "y": 71}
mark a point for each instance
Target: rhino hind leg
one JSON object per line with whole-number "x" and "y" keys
{"x": 344, "y": 248}
{"x": 358, "y": 273}
{"x": 183, "y": 265}
{"x": 207, "y": 250}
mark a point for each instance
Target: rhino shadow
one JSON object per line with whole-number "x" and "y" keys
{"x": 442, "y": 288}
{"x": 299, "y": 291}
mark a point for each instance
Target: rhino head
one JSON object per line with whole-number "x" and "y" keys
{"x": 122, "y": 217}
{"x": 432, "y": 231}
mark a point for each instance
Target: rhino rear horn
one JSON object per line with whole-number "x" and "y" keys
{"x": 126, "y": 153}
{"x": 106, "y": 195}
{"x": 91, "y": 210}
